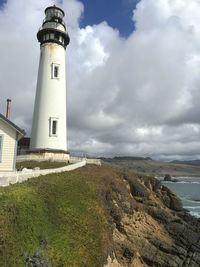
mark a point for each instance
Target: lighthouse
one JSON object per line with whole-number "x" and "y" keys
{"x": 49, "y": 127}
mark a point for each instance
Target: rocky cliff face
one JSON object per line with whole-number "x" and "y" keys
{"x": 149, "y": 225}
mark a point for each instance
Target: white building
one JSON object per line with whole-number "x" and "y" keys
{"x": 10, "y": 134}
{"x": 49, "y": 128}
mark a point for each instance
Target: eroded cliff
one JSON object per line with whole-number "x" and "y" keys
{"x": 150, "y": 227}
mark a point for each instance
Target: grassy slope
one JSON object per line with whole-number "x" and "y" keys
{"x": 59, "y": 217}
{"x": 41, "y": 164}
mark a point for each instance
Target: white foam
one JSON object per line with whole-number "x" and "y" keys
{"x": 195, "y": 214}
{"x": 180, "y": 182}
{"x": 186, "y": 177}
{"x": 188, "y": 199}
{"x": 187, "y": 182}
{"x": 192, "y": 207}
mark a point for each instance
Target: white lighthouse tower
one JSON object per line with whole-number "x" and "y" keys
{"x": 49, "y": 131}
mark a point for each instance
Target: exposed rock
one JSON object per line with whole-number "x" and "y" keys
{"x": 112, "y": 262}
{"x": 150, "y": 226}
{"x": 175, "y": 203}
{"x": 171, "y": 200}
{"x": 168, "y": 178}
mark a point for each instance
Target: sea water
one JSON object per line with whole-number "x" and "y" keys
{"x": 188, "y": 189}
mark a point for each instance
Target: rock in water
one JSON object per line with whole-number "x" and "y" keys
{"x": 168, "y": 178}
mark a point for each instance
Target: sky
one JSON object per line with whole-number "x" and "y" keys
{"x": 117, "y": 13}
{"x": 132, "y": 74}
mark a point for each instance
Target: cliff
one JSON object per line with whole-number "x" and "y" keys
{"x": 150, "y": 227}
{"x": 96, "y": 216}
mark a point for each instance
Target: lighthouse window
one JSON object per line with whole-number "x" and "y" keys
{"x": 57, "y": 37}
{"x": 53, "y": 123}
{"x": 47, "y": 36}
{"x": 54, "y": 127}
{"x": 55, "y": 71}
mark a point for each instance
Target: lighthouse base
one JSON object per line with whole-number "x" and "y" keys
{"x": 49, "y": 154}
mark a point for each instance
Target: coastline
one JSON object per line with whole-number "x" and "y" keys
{"x": 188, "y": 189}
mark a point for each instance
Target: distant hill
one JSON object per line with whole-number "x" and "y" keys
{"x": 132, "y": 158}
{"x": 155, "y": 167}
{"x": 187, "y": 162}
{"x": 127, "y": 158}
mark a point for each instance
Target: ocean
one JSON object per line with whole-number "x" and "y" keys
{"x": 188, "y": 189}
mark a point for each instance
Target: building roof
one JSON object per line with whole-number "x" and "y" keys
{"x": 11, "y": 124}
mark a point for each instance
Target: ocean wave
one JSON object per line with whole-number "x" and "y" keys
{"x": 191, "y": 207}
{"x": 194, "y": 200}
{"x": 195, "y": 214}
{"x": 187, "y": 182}
{"x": 180, "y": 182}
{"x": 186, "y": 177}
{"x": 168, "y": 182}
{"x": 191, "y": 200}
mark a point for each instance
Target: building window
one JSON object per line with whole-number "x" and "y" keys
{"x": 53, "y": 126}
{"x": 60, "y": 39}
{"x": 1, "y": 147}
{"x": 52, "y": 36}
{"x": 55, "y": 71}
{"x": 57, "y": 37}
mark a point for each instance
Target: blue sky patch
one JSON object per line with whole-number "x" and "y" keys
{"x": 117, "y": 13}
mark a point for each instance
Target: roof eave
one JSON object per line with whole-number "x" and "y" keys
{"x": 15, "y": 127}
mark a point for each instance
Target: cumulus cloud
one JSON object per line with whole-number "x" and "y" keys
{"x": 126, "y": 96}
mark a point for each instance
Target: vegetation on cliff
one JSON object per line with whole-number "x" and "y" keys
{"x": 54, "y": 220}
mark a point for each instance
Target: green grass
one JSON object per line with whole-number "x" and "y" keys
{"x": 41, "y": 164}
{"x": 59, "y": 218}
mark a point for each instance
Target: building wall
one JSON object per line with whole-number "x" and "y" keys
{"x": 88, "y": 160}
{"x": 44, "y": 156}
{"x": 8, "y": 149}
{"x": 57, "y": 157}
{"x": 50, "y": 100}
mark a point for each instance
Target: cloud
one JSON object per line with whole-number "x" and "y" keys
{"x": 126, "y": 96}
